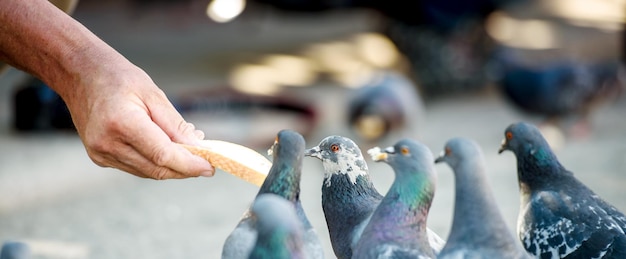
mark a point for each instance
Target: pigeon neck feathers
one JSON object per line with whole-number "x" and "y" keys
{"x": 344, "y": 198}
{"x": 272, "y": 246}
{"x": 538, "y": 167}
{"x": 279, "y": 232}
{"x": 410, "y": 196}
{"x": 415, "y": 186}
{"x": 473, "y": 196}
{"x": 349, "y": 185}
{"x": 402, "y": 215}
{"x": 284, "y": 175}
{"x": 474, "y": 205}
{"x": 285, "y": 181}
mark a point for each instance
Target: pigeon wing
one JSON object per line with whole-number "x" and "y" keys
{"x": 239, "y": 243}
{"x": 556, "y": 225}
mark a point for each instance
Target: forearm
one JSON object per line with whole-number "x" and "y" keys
{"x": 124, "y": 120}
{"x": 40, "y": 39}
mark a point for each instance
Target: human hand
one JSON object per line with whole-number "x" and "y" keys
{"x": 125, "y": 121}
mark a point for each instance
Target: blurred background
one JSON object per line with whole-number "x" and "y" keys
{"x": 375, "y": 71}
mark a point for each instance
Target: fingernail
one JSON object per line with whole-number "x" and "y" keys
{"x": 207, "y": 173}
{"x": 199, "y": 134}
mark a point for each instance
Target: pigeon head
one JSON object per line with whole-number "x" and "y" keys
{"x": 339, "y": 155}
{"x": 280, "y": 232}
{"x": 411, "y": 161}
{"x": 273, "y": 213}
{"x": 15, "y": 250}
{"x": 536, "y": 162}
{"x": 405, "y": 153}
{"x": 284, "y": 175}
{"x": 286, "y": 144}
{"x": 458, "y": 151}
{"x": 522, "y": 138}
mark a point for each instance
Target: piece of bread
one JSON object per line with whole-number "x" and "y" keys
{"x": 235, "y": 159}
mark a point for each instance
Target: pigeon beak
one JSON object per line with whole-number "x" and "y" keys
{"x": 270, "y": 152}
{"x": 390, "y": 150}
{"x": 313, "y": 152}
{"x": 380, "y": 155}
{"x": 253, "y": 217}
{"x": 441, "y": 157}
{"x": 503, "y": 147}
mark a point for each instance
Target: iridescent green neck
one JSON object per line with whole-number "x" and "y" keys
{"x": 284, "y": 180}
{"x": 272, "y": 245}
{"x": 415, "y": 191}
{"x": 538, "y": 166}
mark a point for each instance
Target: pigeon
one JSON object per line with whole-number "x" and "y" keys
{"x": 15, "y": 250}
{"x": 279, "y": 230}
{"x": 560, "y": 90}
{"x": 283, "y": 179}
{"x": 387, "y": 106}
{"x": 559, "y": 216}
{"x": 397, "y": 228}
{"x": 348, "y": 195}
{"x": 478, "y": 228}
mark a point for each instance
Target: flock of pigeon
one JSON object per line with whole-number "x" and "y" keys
{"x": 559, "y": 218}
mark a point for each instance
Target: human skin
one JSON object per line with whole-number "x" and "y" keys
{"x": 122, "y": 117}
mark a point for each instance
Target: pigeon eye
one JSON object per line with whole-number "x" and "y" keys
{"x": 509, "y": 135}
{"x": 334, "y": 147}
{"x": 404, "y": 151}
{"x": 448, "y": 151}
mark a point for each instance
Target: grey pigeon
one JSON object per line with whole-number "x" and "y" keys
{"x": 283, "y": 179}
{"x": 389, "y": 105}
{"x": 15, "y": 250}
{"x": 279, "y": 230}
{"x": 559, "y": 90}
{"x": 478, "y": 228}
{"x": 397, "y": 228}
{"x": 559, "y": 216}
{"x": 348, "y": 195}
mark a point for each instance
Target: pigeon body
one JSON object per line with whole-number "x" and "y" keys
{"x": 388, "y": 106}
{"x": 397, "y": 228}
{"x": 15, "y": 250}
{"x": 478, "y": 229}
{"x": 279, "y": 229}
{"x": 559, "y": 90}
{"x": 283, "y": 179}
{"x": 348, "y": 195}
{"x": 559, "y": 216}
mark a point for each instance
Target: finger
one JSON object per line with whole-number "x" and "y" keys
{"x": 108, "y": 160}
{"x": 156, "y": 146}
{"x": 167, "y": 117}
{"x": 199, "y": 134}
{"x": 138, "y": 165}
{"x": 133, "y": 163}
